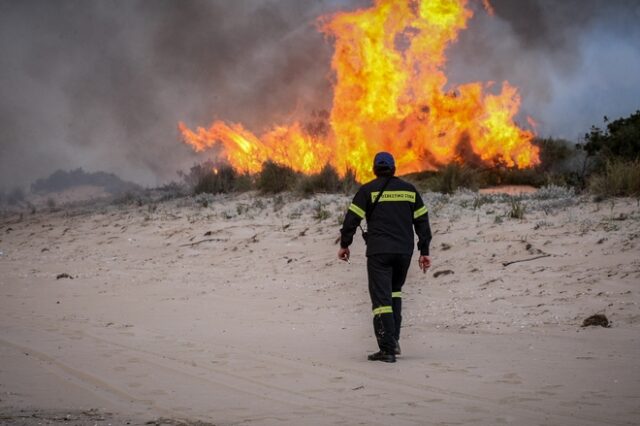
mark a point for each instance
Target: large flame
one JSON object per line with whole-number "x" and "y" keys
{"x": 390, "y": 94}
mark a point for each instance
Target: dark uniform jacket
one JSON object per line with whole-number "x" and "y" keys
{"x": 390, "y": 227}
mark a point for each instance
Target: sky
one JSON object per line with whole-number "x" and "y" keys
{"x": 102, "y": 84}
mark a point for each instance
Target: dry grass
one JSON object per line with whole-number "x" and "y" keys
{"x": 619, "y": 179}
{"x": 517, "y": 209}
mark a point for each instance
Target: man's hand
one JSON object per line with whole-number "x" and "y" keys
{"x": 343, "y": 254}
{"x": 425, "y": 263}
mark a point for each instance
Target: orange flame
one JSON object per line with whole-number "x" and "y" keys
{"x": 390, "y": 95}
{"x": 488, "y": 7}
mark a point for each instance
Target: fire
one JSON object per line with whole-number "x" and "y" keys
{"x": 390, "y": 94}
{"x": 246, "y": 152}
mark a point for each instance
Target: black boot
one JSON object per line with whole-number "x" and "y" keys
{"x": 382, "y": 356}
{"x": 384, "y": 330}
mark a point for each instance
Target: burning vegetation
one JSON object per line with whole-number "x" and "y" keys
{"x": 391, "y": 93}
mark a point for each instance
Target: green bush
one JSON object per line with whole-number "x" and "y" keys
{"x": 517, "y": 209}
{"x": 349, "y": 182}
{"x": 172, "y": 191}
{"x": 450, "y": 178}
{"x": 329, "y": 181}
{"x": 512, "y": 176}
{"x": 215, "y": 181}
{"x": 619, "y": 179}
{"x": 620, "y": 140}
{"x": 325, "y": 181}
{"x": 320, "y": 213}
{"x": 422, "y": 180}
{"x": 554, "y": 154}
{"x": 275, "y": 178}
{"x": 124, "y": 199}
{"x": 244, "y": 182}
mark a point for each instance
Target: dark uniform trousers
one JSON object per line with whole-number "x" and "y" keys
{"x": 387, "y": 273}
{"x": 390, "y": 243}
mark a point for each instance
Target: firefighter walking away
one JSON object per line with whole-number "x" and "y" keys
{"x": 393, "y": 210}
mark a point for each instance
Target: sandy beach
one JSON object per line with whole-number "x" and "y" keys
{"x": 230, "y": 310}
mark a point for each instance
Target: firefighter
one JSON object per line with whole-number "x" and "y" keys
{"x": 393, "y": 208}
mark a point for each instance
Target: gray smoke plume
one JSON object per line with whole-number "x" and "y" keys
{"x": 101, "y": 84}
{"x": 574, "y": 61}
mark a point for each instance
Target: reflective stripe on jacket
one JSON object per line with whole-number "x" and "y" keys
{"x": 390, "y": 228}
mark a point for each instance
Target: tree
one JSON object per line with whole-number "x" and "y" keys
{"x": 619, "y": 141}
{"x": 554, "y": 153}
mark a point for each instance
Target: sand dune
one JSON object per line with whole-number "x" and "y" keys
{"x": 234, "y": 309}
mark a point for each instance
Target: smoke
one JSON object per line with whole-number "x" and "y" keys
{"x": 574, "y": 61}
{"x": 101, "y": 84}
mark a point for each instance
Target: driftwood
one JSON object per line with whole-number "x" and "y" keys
{"x": 444, "y": 272}
{"x": 203, "y": 241}
{"x": 525, "y": 260}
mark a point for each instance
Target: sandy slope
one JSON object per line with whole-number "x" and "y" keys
{"x": 257, "y": 322}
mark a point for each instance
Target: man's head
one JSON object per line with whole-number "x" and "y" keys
{"x": 384, "y": 164}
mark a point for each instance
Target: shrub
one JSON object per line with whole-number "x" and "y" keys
{"x": 325, "y": 181}
{"x": 619, "y": 178}
{"x": 551, "y": 192}
{"x": 15, "y": 196}
{"x": 328, "y": 180}
{"x": 349, "y": 182}
{"x": 172, "y": 191}
{"x": 452, "y": 177}
{"x": 511, "y": 176}
{"x": 320, "y": 213}
{"x": 217, "y": 180}
{"x": 275, "y": 178}
{"x": 61, "y": 180}
{"x": 620, "y": 140}
{"x": 196, "y": 173}
{"x": 480, "y": 200}
{"x": 126, "y": 198}
{"x": 203, "y": 199}
{"x": 517, "y": 209}
{"x": 244, "y": 182}
{"x": 554, "y": 153}
{"x": 422, "y": 180}
{"x": 278, "y": 203}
